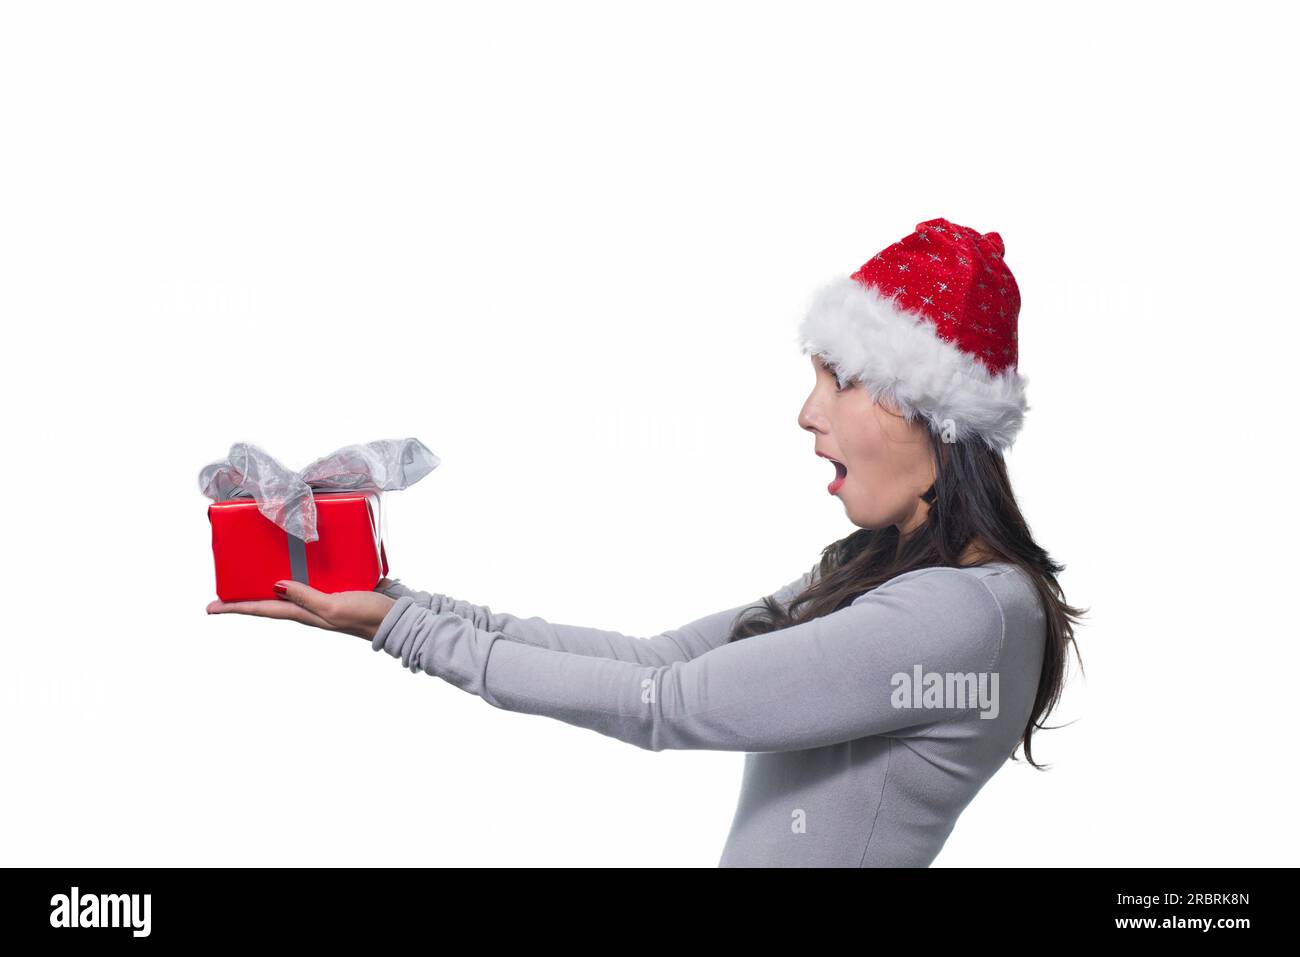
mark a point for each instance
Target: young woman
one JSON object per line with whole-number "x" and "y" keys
{"x": 875, "y": 694}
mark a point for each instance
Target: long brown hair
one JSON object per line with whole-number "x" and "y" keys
{"x": 971, "y": 501}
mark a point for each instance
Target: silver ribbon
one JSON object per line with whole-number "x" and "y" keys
{"x": 287, "y": 498}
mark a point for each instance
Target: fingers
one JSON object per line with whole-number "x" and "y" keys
{"x": 355, "y": 613}
{"x": 274, "y": 608}
{"x": 316, "y": 602}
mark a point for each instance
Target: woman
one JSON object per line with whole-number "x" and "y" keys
{"x": 877, "y": 693}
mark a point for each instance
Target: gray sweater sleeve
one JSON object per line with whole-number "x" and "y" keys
{"x": 680, "y": 644}
{"x": 822, "y": 682}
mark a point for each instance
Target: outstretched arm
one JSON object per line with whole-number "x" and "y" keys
{"x": 680, "y": 644}
{"x": 828, "y": 680}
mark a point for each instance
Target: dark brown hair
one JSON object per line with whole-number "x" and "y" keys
{"x": 971, "y": 501}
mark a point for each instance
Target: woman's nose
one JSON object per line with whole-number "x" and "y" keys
{"x": 810, "y": 418}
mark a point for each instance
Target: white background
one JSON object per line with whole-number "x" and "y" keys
{"x": 566, "y": 245}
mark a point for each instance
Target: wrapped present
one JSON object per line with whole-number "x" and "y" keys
{"x": 322, "y": 525}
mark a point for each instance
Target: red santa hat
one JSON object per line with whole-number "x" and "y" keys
{"x": 929, "y": 323}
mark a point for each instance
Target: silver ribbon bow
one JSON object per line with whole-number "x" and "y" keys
{"x": 287, "y": 497}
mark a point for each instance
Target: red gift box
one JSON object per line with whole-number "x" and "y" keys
{"x": 251, "y": 553}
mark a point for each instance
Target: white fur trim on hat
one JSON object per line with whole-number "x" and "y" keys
{"x": 897, "y": 353}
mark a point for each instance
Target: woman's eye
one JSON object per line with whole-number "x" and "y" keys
{"x": 835, "y": 379}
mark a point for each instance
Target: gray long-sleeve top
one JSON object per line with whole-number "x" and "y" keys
{"x": 867, "y": 730}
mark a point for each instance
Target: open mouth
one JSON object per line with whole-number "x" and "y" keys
{"x": 841, "y": 472}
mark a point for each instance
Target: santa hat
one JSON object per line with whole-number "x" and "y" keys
{"x": 929, "y": 323}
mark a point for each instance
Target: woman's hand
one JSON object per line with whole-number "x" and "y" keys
{"x": 357, "y": 613}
